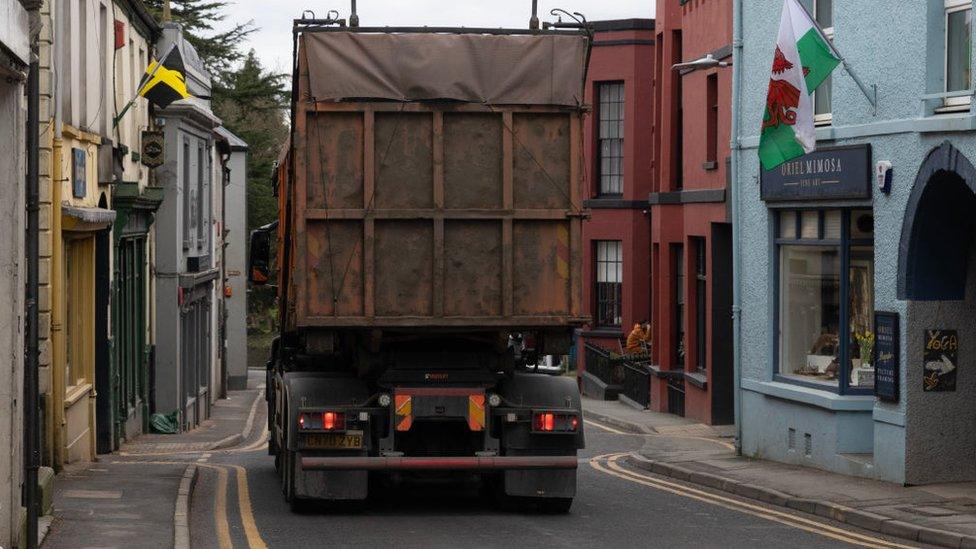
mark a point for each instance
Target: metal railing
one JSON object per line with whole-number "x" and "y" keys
{"x": 676, "y": 396}
{"x": 637, "y": 382}
{"x": 630, "y": 373}
{"x": 601, "y": 365}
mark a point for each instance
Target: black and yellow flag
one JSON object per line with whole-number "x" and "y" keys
{"x": 165, "y": 82}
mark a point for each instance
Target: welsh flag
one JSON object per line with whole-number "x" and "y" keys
{"x": 803, "y": 60}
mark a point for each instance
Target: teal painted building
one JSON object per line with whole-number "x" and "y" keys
{"x": 815, "y": 266}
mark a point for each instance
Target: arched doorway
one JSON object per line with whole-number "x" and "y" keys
{"x": 937, "y": 279}
{"x": 938, "y": 228}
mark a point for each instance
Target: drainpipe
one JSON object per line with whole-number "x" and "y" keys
{"x": 57, "y": 291}
{"x": 736, "y": 224}
{"x": 32, "y": 454}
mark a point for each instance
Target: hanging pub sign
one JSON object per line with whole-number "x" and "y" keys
{"x": 886, "y": 356}
{"x": 152, "y": 148}
{"x": 941, "y": 356}
{"x": 839, "y": 173}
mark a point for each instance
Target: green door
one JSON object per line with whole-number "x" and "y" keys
{"x": 130, "y": 332}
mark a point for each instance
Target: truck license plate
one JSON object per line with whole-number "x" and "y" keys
{"x": 333, "y": 441}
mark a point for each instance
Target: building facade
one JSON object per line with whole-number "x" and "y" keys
{"x": 856, "y": 297}
{"x": 185, "y": 264}
{"x": 235, "y": 238}
{"x": 691, "y": 234}
{"x": 123, "y": 410}
{"x": 92, "y": 56}
{"x": 14, "y": 58}
{"x": 618, "y": 137}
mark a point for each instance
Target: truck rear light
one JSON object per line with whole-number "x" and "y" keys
{"x": 309, "y": 421}
{"x": 551, "y": 422}
{"x": 545, "y": 421}
{"x": 332, "y": 421}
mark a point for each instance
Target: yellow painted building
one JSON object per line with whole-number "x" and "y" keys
{"x": 90, "y": 74}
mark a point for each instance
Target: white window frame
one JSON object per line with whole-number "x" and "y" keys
{"x": 827, "y": 118}
{"x": 952, "y": 103}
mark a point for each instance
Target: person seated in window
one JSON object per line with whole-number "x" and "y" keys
{"x": 639, "y": 339}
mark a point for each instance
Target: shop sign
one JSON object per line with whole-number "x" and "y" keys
{"x": 829, "y": 173}
{"x": 886, "y": 356}
{"x": 941, "y": 357}
{"x": 152, "y": 149}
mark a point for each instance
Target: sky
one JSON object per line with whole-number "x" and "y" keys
{"x": 272, "y": 40}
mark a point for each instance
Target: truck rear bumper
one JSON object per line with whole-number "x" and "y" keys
{"x": 467, "y": 463}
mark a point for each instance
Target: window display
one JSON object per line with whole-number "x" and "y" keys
{"x": 826, "y": 332}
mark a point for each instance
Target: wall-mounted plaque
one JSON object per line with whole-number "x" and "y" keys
{"x": 941, "y": 355}
{"x": 838, "y": 173}
{"x": 886, "y": 356}
{"x": 79, "y": 176}
{"x": 152, "y": 149}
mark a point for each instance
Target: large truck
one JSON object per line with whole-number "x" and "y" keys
{"x": 428, "y": 250}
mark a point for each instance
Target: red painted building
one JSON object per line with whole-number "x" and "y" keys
{"x": 691, "y": 235}
{"x": 618, "y": 143}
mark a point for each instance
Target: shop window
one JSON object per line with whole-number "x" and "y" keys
{"x": 609, "y": 282}
{"x": 701, "y": 322}
{"x": 826, "y": 298}
{"x": 79, "y": 302}
{"x": 824, "y": 14}
{"x": 678, "y": 254}
{"x": 958, "y": 46}
{"x": 610, "y": 161}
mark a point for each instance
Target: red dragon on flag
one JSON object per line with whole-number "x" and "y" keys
{"x": 782, "y": 97}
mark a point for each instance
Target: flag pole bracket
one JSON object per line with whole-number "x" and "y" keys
{"x": 872, "y": 95}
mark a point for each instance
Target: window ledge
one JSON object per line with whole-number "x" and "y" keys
{"x": 74, "y": 393}
{"x": 813, "y": 397}
{"x": 710, "y": 165}
{"x": 698, "y": 379}
{"x": 666, "y": 374}
{"x": 609, "y": 332}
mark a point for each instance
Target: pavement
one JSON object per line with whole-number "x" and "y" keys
{"x": 940, "y": 515}
{"x": 139, "y": 496}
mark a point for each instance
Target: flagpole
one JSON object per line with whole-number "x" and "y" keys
{"x": 871, "y": 96}
{"x": 142, "y": 82}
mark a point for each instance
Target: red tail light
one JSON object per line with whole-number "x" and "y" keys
{"x": 550, "y": 422}
{"x": 333, "y": 420}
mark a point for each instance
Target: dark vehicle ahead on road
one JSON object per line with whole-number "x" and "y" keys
{"x": 430, "y": 207}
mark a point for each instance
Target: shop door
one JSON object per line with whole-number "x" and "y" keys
{"x": 105, "y": 437}
{"x": 130, "y": 343}
{"x": 722, "y": 379}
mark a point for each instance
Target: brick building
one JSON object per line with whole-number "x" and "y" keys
{"x": 618, "y": 155}
{"x": 691, "y": 235}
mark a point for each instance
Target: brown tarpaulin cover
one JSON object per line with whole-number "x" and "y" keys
{"x": 476, "y": 68}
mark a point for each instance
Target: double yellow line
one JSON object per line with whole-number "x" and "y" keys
{"x": 254, "y": 539}
{"x": 613, "y": 468}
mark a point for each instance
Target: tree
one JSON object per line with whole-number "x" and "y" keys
{"x": 253, "y": 107}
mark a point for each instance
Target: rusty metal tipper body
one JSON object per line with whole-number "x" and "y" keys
{"x": 430, "y": 216}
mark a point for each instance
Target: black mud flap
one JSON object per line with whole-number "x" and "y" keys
{"x": 330, "y": 485}
{"x": 553, "y": 483}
